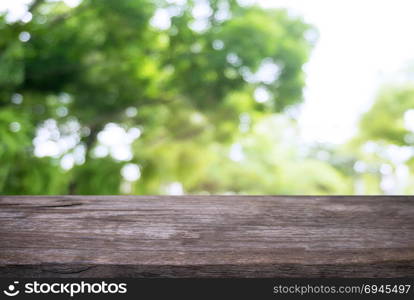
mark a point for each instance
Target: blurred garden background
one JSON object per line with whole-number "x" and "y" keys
{"x": 206, "y": 97}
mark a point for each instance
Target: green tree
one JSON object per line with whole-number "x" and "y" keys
{"x": 384, "y": 145}
{"x": 184, "y": 85}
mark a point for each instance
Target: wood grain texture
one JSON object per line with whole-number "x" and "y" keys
{"x": 206, "y": 236}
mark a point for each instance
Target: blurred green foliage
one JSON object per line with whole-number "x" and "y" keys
{"x": 384, "y": 144}
{"x": 200, "y": 89}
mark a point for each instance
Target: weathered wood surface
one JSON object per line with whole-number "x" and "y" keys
{"x": 206, "y": 236}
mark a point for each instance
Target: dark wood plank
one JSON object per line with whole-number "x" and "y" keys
{"x": 206, "y": 236}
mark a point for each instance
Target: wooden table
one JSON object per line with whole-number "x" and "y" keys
{"x": 206, "y": 236}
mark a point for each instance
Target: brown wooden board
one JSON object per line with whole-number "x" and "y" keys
{"x": 206, "y": 236}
